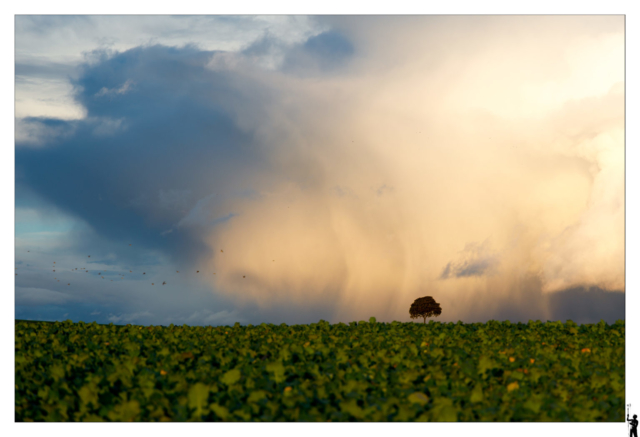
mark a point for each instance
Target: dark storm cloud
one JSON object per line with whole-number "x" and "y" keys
{"x": 587, "y": 305}
{"x": 159, "y": 122}
{"x": 521, "y": 299}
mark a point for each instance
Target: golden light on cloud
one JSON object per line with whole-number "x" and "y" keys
{"x": 482, "y": 159}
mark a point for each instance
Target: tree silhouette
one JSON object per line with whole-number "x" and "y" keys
{"x": 424, "y": 307}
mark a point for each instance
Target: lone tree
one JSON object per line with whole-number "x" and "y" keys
{"x": 424, "y": 307}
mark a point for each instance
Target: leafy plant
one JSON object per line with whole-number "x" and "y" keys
{"x": 365, "y": 371}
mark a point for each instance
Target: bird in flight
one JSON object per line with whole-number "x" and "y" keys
{"x": 88, "y": 256}
{"x": 152, "y": 283}
{"x": 164, "y": 282}
{"x": 54, "y": 270}
{"x": 197, "y": 271}
{"x": 177, "y": 271}
{"x": 221, "y": 250}
{"x": 144, "y": 273}
{"x": 243, "y": 276}
{"x": 130, "y": 271}
{"x": 129, "y": 244}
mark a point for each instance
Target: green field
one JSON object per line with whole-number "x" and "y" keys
{"x": 365, "y": 371}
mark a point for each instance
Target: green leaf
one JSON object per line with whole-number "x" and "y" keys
{"x": 408, "y": 376}
{"x": 444, "y": 411}
{"x": 534, "y": 402}
{"x": 517, "y": 375}
{"x": 57, "y": 372}
{"x": 354, "y": 386}
{"x": 256, "y": 395}
{"x": 477, "y": 394}
{"x": 230, "y": 377}
{"x": 535, "y": 374}
{"x": 285, "y": 353}
{"x": 598, "y": 381}
{"x": 418, "y": 398}
{"x": 198, "y": 396}
{"x": 405, "y": 413}
{"x": 485, "y": 364}
{"x": 220, "y": 411}
{"x": 89, "y": 394}
{"x": 43, "y": 392}
{"x": 125, "y": 412}
{"x": 278, "y": 371}
{"x": 244, "y": 415}
{"x": 436, "y": 352}
{"x": 351, "y": 407}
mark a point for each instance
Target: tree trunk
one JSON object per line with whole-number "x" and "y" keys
{"x": 424, "y": 320}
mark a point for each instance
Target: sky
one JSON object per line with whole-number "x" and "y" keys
{"x": 287, "y": 169}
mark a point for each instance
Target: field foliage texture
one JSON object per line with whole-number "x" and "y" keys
{"x": 365, "y": 371}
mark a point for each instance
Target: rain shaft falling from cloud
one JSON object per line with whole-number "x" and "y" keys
{"x": 482, "y": 137}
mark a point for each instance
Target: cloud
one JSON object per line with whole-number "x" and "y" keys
{"x": 475, "y": 260}
{"x": 39, "y": 131}
{"x": 587, "y": 305}
{"x": 38, "y": 68}
{"x": 207, "y": 317}
{"x": 476, "y": 123}
{"x": 323, "y": 53}
{"x": 267, "y": 51}
{"x": 49, "y": 48}
{"x": 125, "y": 88}
{"x": 31, "y": 296}
{"x": 169, "y": 112}
{"x": 134, "y": 318}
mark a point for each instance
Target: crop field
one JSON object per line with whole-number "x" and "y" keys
{"x": 364, "y": 371}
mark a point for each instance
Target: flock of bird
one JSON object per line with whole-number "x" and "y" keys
{"x": 101, "y": 271}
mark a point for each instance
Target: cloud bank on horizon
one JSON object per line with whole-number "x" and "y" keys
{"x": 330, "y": 167}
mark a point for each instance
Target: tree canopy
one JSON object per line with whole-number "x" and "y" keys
{"x": 424, "y": 307}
